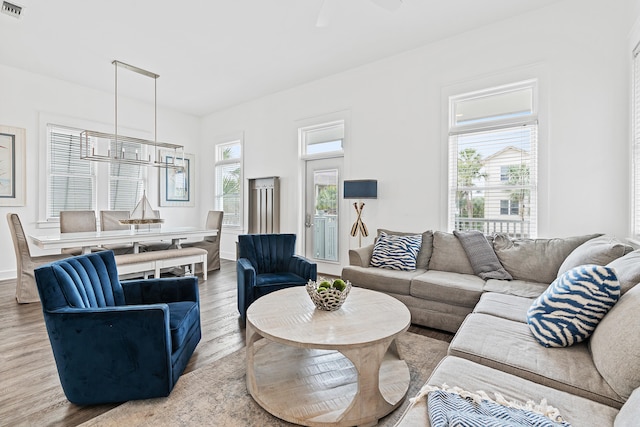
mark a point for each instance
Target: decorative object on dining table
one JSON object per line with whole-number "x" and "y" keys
{"x": 328, "y": 295}
{"x": 177, "y": 186}
{"x": 143, "y": 213}
{"x": 360, "y": 189}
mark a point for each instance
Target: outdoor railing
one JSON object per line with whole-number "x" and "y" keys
{"x": 514, "y": 228}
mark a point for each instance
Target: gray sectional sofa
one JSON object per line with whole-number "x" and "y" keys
{"x": 592, "y": 383}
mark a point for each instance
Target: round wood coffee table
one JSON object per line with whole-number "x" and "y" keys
{"x": 320, "y": 368}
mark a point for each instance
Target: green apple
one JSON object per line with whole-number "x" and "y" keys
{"x": 339, "y": 285}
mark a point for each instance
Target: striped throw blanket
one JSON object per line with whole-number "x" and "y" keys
{"x": 454, "y": 407}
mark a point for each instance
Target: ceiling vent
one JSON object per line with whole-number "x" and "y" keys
{"x": 11, "y": 9}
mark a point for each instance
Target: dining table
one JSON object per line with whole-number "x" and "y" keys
{"x": 88, "y": 239}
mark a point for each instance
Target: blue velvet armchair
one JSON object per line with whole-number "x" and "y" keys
{"x": 267, "y": 263}
{"x": 116, "y": 341}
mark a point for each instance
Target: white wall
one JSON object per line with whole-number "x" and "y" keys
{"x": 577, "y": 49}
{"x": 26, "y": 98}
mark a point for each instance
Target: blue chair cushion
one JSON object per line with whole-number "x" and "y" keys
{"x": 268, "y": 279}
{"x": 182, "y": 316}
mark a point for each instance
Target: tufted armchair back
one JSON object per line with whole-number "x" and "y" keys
{"x": 89, "y": 281}
{"x": 267, "y": 253}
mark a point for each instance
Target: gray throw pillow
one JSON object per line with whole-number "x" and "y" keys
{"x": 535, "y": 260}
{"x": 483, "y": 259}
{"x": 615, "y": 345}
{"x": 449, "y": 255}
{"x": 627, "y": 269}
{"x": 598, "y": 251}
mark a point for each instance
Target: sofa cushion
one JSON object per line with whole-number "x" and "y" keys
{"x": 535, "y": 260}
{"x": 600, "y": 250}
{"x": 628, "y": 270}
{"x": 509, "y": 346}
{"x": 509, "y": 307}
{"x": 380, "y": 279}
{"x": 183, "y": 315}
{"x": 457, "y": 372}
{"x": 615, "y": 344}
{"x": 449, "y": 255}
{"x": 571, "y": 308}
{"x": 520, "y": 288}
{"x": 424, "y": 255}
{"x": 480, "y": 252}
{"x": 396, "y": 252}
{"x": 452, "y": 288}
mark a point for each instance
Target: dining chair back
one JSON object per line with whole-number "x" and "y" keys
{"x": 210, "y": 243}
{"x": 26, "y": 290}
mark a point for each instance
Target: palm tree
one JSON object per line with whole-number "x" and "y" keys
{"x": 469, "y": 167}
{"x": 230, "y": 186}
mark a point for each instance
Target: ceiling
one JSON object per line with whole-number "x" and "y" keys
{"x": 213, "y": 54}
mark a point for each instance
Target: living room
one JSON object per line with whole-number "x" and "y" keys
{"x": 396, "y": 111}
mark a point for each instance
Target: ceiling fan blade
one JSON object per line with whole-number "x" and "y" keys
{"x": 326, "y": 11}
{"x": 390, "y": 5}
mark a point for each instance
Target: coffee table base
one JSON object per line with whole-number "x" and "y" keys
{"x": 326, "y": 387}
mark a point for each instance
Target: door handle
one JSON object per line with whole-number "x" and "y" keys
{"x": 307, "y": 221}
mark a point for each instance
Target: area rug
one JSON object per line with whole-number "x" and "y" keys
{"x": 216, "y": 394}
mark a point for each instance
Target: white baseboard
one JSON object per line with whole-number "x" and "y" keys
{"x": 231, "y": 256}
{"x": 8, "y": 275}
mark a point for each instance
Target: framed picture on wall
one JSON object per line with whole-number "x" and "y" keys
{"x": 177, "y": 185}
{"x": 12, "y": 166}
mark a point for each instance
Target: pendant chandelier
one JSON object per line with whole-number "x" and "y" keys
{"x": 111, "y": 148}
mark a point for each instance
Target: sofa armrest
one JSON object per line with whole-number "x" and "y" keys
{"x": 303, "y": 267}
{"x": 151, "y": 291}
{"x": 361, "y": 257}
{"x": 246, "y": 277}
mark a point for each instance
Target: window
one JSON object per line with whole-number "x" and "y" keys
{"x": 126, "y": 181}
{"x": 493, "y": 160}
{"x": 73, "y": 183}
{"x": 323, "y": 139}
{"x": 228, "y": 194}
{"x": 509, "y": 207}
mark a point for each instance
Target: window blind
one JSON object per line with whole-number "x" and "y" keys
{"x": 72, "y": 181}
{"x": 126, "y": 181}
{"x": 228, "y": 188}
{"x": 493, "y": 166}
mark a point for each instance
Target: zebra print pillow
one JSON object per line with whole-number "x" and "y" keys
{"x": 571, "y": 307}
{"x": 396, "y": 252}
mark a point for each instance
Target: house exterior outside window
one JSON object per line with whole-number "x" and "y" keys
{"x": 493, "y": 160}
{"x": 228, "y": 185}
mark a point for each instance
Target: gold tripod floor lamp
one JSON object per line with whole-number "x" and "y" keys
{"x": 360, "y": 189}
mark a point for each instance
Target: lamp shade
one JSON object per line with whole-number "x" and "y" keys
{"x": 361, "y": 189}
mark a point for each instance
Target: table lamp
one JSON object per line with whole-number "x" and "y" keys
{"x": 360, "y": 189}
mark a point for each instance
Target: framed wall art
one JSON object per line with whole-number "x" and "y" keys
{"x": 12, "y": 166}
{"x": 177, "y": 185}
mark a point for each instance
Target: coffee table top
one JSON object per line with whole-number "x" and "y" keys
{"x": 289, "y": 316}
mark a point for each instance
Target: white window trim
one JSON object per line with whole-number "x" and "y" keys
{"x": 450, "y": 95}
{"x": 496, "y": 78}
{"x": 236, "y": 137}
{"x": 102, "y": 185}
{"x": 302, "y": 139}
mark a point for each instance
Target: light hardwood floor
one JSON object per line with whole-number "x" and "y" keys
{"x": 30, "y": 391}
